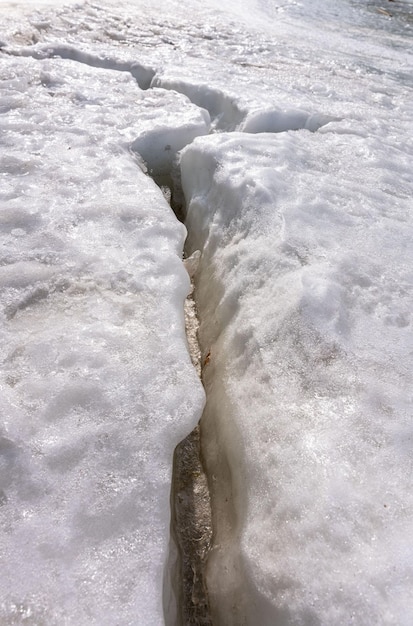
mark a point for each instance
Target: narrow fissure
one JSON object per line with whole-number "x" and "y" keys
{"x": 190, "y": 501}
{"x": 191, "y": 517}
{"x": 192, "y": 530}
{"x": 226, "y": 114}
{"x": 191, "y": 514}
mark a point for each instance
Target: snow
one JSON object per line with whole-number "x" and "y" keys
{"x": 308, "y": 330}
{"x": 97, "y": 384}
{"x": 301, "y": 256}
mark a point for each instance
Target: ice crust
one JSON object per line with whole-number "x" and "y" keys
{"x": 308, "y": 330}
{"x": 97, "y": 385}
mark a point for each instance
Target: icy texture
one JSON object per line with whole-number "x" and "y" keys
{"x": 97, "y": 387}
{"x": 305, "y": 301}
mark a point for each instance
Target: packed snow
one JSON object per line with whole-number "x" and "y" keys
{"x": 291, "y": 125}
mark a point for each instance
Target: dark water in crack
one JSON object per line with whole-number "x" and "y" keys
{"x": 192, "y": 529}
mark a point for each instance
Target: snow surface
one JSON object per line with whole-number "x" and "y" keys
{"x": 97, "y": 384}
{"x": 308, "y": 414}
{"x": 21, "y": 7}
{"x": 303, "y": 286}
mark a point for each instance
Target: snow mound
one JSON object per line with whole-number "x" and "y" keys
{"x": 303, "y": 292}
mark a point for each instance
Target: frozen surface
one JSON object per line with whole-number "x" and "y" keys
{"x": 97, "y": 385}
{"x": 304, "y": 287}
